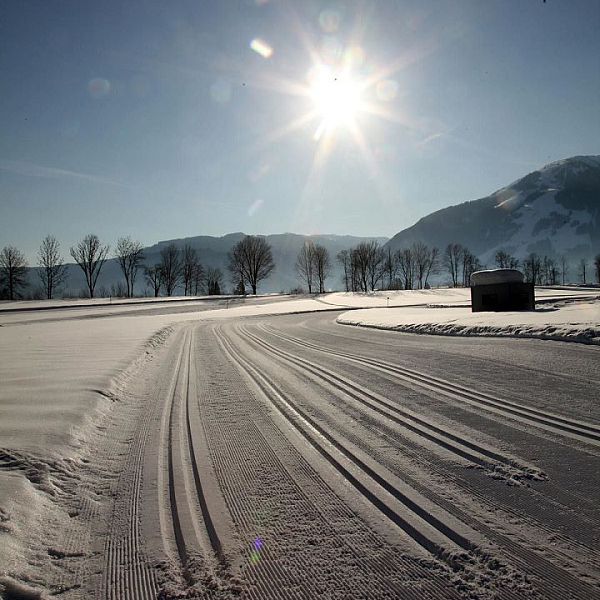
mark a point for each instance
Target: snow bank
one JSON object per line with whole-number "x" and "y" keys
{"x": 574, "y": 322}
{"x": 450, "y": 296}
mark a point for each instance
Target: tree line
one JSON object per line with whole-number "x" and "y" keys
{"x": 250, "y": 262}
{"x": 366, "y": 267}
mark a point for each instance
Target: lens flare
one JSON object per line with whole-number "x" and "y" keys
{"x": 261, "y": 47}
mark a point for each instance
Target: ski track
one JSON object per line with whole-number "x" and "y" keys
{"x": 237, "y": 480}
{"x": 577, "y": 429}
{"x": 383, "y": 429}
{"x": 562, "y": 582}
{"x": 566, "y": 498}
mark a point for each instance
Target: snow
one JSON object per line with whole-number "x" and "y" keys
{"x": 574, "y": 321}
{"x": 59, "y": 370}
{"x": 438, "y": 296}
{"x": 527, "y": 217}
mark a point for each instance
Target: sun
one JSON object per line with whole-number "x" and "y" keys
{"x": 336, "y": 97}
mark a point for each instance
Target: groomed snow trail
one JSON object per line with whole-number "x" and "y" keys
{"x": 270, "y": 459}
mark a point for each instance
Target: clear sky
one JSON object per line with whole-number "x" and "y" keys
{"x": 163, "y": 119}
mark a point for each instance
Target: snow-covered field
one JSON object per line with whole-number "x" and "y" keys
{"x": 82, "y": 394}
{"x": 574, "y": 321}
{"x": 440, "y": 296}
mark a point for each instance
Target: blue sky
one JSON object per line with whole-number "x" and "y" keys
{"x": 158, "y": 120}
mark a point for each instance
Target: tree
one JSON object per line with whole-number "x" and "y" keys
{"x": 154, "y": 278}
{"x": 470, "y": 264}
{"x": 322, "y": 265}
{"x": 214, "y": 281}
{"x": 549, "y": 271}
{"x": 406, "y": 267}
{"x": 343, "y": 257}
{"x": 90, "y": 255}
{"x": 305, "y": 264}
{"x": 453, "y": 256}
{"x": 197, "y": 279}
{"x": 251, "y": 260}
{"x": 52, "y": 269}
{"x": 432, "y": 264}
{"x": 390, "y": 268}
{"x": 504, "y": 260}
{"x": 129, "y": 255}
{"x": 583, "y": 271}
{"x": 368, "y": 260}
{"x": 192, "y": 270}
{"x": 425, "y": 262}
{"x": 597, "y": 267}
{"x": 170, "y": 267}
{"x": 13, "y": 270}
{"x": 532, "y": 267}
{"x": 564, "y": 268}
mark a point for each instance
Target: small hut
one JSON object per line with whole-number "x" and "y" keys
{"x": 501, "y": 290}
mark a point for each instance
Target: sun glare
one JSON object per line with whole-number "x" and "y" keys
{"x": 337, "y": 98}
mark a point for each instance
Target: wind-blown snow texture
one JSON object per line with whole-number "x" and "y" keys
{"x": 553, "y": 211}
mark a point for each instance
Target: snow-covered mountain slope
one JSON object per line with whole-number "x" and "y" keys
{"x": 554, "y": 211}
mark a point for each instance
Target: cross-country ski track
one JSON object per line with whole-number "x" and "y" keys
{"x": 284, "y": 457}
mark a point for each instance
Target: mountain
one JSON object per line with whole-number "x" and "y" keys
{"x": 553, "y": 211}
{"x": 213, "y": 253}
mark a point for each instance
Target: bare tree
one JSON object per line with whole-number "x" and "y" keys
{"x": 504, "y": 260}
{"x": 597, "y": 267}
{"x": 214, "y": 281}
{"x": 129, "y": 255}
{"x": 322, "y": 265}
{"x": 432, "y": 266}
{"x": 406, "y": 267}
{"x": 198, "y": 279}
{"x": 564, "y": 268}
{"x": 390, "y": 268}
{"x": 13, "y": 271}
{"x": 583, "y": 270}
{"x": 425, "y": 262}
{"x": 52, "y": 269}
{"x": 549, "y": 271}
{"x": 191, "y": 269}
{"x": 453, "y": 256}
{"x": 368, "y": 262}
{"x": 170, "y": 267}
{"x": 252, "y": 260}
{"x": 470, "y": 264}
{"x": 305, "y": 264}
{"x": 532, "y": 267}
{"x": 343, "y": 257}
{"x": 154, "y": 278}
{"x": 90, "y": 255}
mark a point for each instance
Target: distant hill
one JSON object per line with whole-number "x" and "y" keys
{"x": 213, "y": 253}
{"x": 553, "y": 211}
